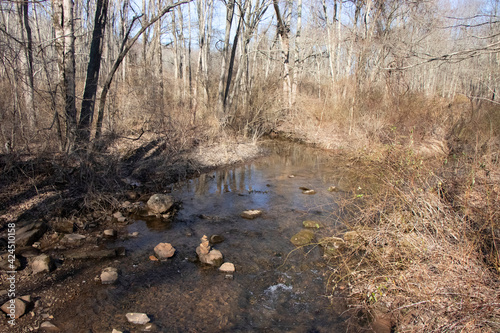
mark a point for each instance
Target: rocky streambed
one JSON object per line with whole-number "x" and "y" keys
{"x": 234, "y": 250}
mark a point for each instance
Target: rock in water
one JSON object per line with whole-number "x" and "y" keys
{"x": 160, "y": 203}
{"x": 109, "y": 275}
{"x": 164, "y": 250}
{"x": 309, "y": 192}
{"x": 206, "y": 255}
{"x": 332, "y": 246}
{"x": 227, "y": 267}
{"x": 304, "y": 237}
{"x": 313, "y": 224}
{"x": 137, "y": 318}
{"x": 251, "y": 214}
{"x": 42, "y": 263}
{"x": 216, "y": 239}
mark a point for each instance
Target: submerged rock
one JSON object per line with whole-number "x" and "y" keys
{"x": 303, "y": 237}
{"x": 251, "y": 214}
{"x": 160, "y": 203}
{"x": 137, "y": 318}
{"x": 313, "y": 224}
{"x": 164, "y": 250}
{"x": 216, "y": 239}
{"x": 310, "y": 192}
{"x": 109, "y": 275}
{"x": 332, "y": 246}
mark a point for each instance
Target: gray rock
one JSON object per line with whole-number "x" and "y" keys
{"x": 137, "y": 318}
{"x": 109, "y": 275}
{"x": 42, "y": 263}
{"x": 160, "y": 203}
{"x": 164, "y": 250}
{"x": 15, "y": 307}
{"x": 251, "y": 214}
{"x": 30, "y": 233}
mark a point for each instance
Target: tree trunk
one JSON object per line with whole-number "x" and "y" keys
{"x": 225, "y": 59}
{"x": 29, "y": 89}
{"x": 94, "y": 65}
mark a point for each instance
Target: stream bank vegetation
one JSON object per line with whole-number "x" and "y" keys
{"x": 96, "y": 96}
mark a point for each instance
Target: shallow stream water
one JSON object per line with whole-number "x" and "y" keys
{"x": 275, "y": 288}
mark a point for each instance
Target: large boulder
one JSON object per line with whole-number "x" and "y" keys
{"x": 160, "y": 203}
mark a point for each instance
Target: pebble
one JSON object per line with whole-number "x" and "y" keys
{"x": 227, "y": 267}
{"x": 137, "y": 318}
{"x": 109, "y": 233}
{"x": 251, "y": 214}
{"x": 47, "y": 326}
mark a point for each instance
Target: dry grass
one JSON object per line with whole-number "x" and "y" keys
{"x": 426, "y": 256}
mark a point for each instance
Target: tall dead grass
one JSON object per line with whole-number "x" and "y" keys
{"x": 425, "y": 255}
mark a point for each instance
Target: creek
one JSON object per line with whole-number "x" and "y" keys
{"x": 276, "y": 287}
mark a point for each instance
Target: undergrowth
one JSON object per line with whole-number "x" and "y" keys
{"x": 425, "y": 256}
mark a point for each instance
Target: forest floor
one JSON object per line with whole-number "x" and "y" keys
{"x": 61, "y": 205}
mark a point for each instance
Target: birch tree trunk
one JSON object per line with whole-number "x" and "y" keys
{"x": 297, "y": 61}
